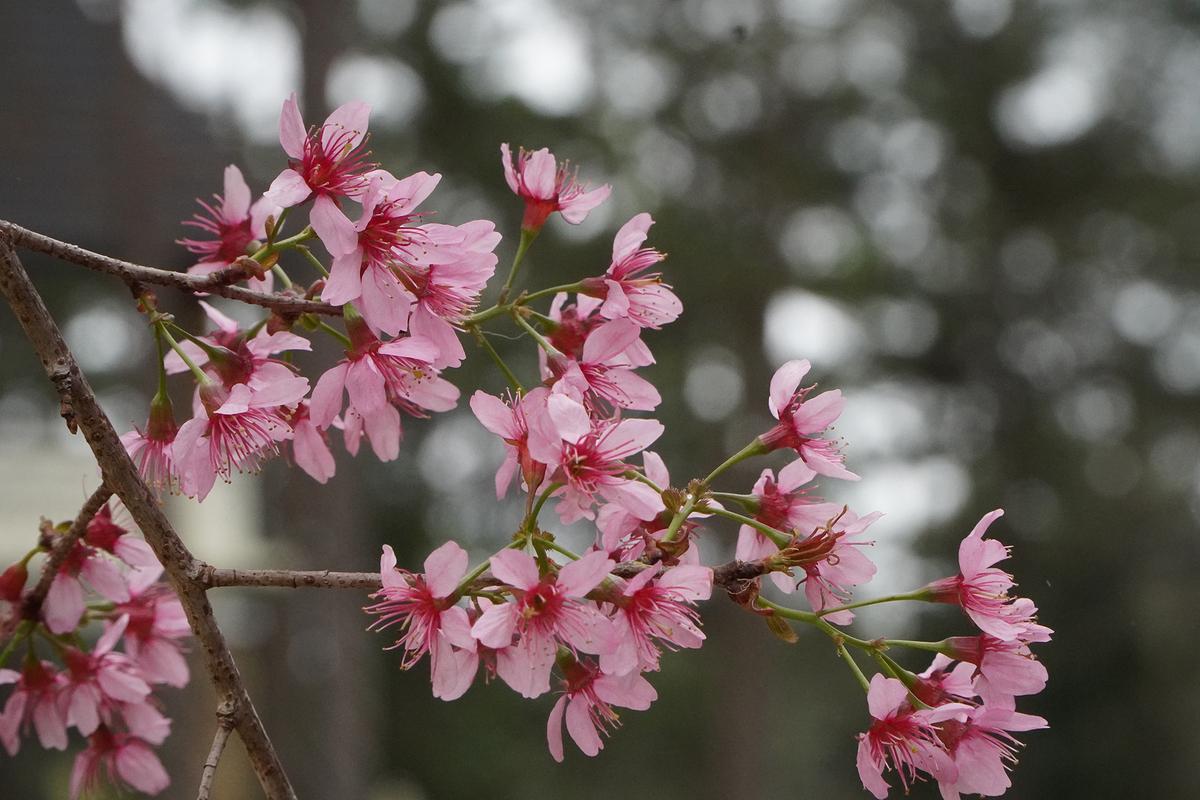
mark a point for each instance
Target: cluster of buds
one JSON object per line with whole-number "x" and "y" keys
{"x": 534, "y": 614}
{"x": 69, "y": 679}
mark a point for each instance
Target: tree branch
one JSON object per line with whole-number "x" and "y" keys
{"x": 220, "y": 738}
{"x": 212, "y": 578}
{"x": 122, "y": 476}
{"x": 732, "y": 576}
{"x": 215, "y": 283}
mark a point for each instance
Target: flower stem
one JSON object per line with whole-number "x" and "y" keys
{"x": 932, "y": 647}
{"x": 335, "y": 333}
{"x": 201, "y": 378}
{"x": 755, "y": 448}
{"x": 531, "y": 521}
{"x": 527, "y": 237}
{"x": 640, "y": 478}
{"x": 509, "y": 375}
{"x": 891, "y": 598}
{"x": 544, "y": 343}
{"x": 283, "y": 276}
{"x": 850, "y": 662}
{"x": 780, "y": 538}
{"x": 22, "y": 633}
{"x": 270, "y": 248}
{"x": 316, "y": 262}
{"x": 558, "y": 548}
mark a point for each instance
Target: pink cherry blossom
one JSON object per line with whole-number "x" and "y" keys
{"x": 627, "y": 292}
{"x": 785, "y": 506}
{"x": 310, "y": 449}
{"x": 238, "y": 358}
{"x": 902, "y": 738}
{"x": 125, "y": 761}
{"x": 984, "y": 749}
{"x": 587, "y": 457}
{"x": 447, "y": 286}
{"x": 231, "y": 223}
{"x": 980, "y": 588}
{"x": 364, "y": 252}
{"x": 379, "y": 377}
{"x": 574, "y": 323}
{"x": 657, "y": 608}
{"x": 803, "y": 420}
{"x": 64, "y": 603}
{"x": 103, "y": 533}
{"x": 546, "y": 610}
{"x": 157, "y": 624}
{"x": 429, "y": 622}
{"x": 1005, "y": 669}
{"x": 605, "y": 371}
{"x": 833, "y": 563}
{"x": 546, "y": 187}
{"x": 586, "y": 705}
{"x": 512, "y": 421}
{"x": 329, "y": 161}
{"x": 239, "y": 428}
{"x": 34, "y": 700}
{"x": 99, "y": 680}
{"x": 151, "y": 450}
{"x": 942, "y": 683}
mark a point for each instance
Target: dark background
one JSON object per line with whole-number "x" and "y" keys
{"x": 978, "y": 218}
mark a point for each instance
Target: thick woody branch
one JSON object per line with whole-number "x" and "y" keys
{"x": 133, "y": 274}
{"x": 225, "y": 721}
{"x": 120, "y": 474}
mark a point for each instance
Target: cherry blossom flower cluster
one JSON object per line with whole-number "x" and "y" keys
{"x": 103, "y": 687}
{"x": 588, "y": 626}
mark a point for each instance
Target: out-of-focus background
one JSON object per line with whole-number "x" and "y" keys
{"x": 979, "y": 218}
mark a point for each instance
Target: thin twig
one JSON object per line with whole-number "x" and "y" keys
{"x": 122, "y": 476}
{"x": 225, "y": 723}
{"x": 31, "y": 604}
{"x": 137, "y": 273}
{"x": 213, "y": 578}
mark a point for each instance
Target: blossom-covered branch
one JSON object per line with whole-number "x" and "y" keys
{"x": 122, "y": 477}
{"x": 402, "y": 294}
{"x": 133, "y": 274}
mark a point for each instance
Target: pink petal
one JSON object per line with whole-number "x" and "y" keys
{"x": 631, "y": 236}
{"x": 444, "y": 568}
{"x": 579, "y": 577}
{"x": 326, "y": 402}
{"x": 885, "y": 696}
{"x": 539, "y": 174}
{"x": 63, "y": 605}
{"x": 494, "y": 414}
{"x": 515, "y": 568}
{"x": 335, "y": 230}
{"x": 819, "y": 413}
{"x": 291, "y": 128}
{"x": 140, "y": 768}
{"x": 288, "y": 189}
{"x": 312, "y": 453}
{"x": 576, "y": 210}
{"x": 353, "y": 116}
{"x": 383, "y": 431}
{"x": 345, "y": 283}
{"x": 236, "y": 205}
{"x": 554, "y": 723}
{"x": 495, "y": 625}
{"x": 784, "y": 383}
{"x": 609, "y": 340}
{"x": 569, "y": 417}
{"x": 581, "y": 727}
{"x": 510, "y": 178}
